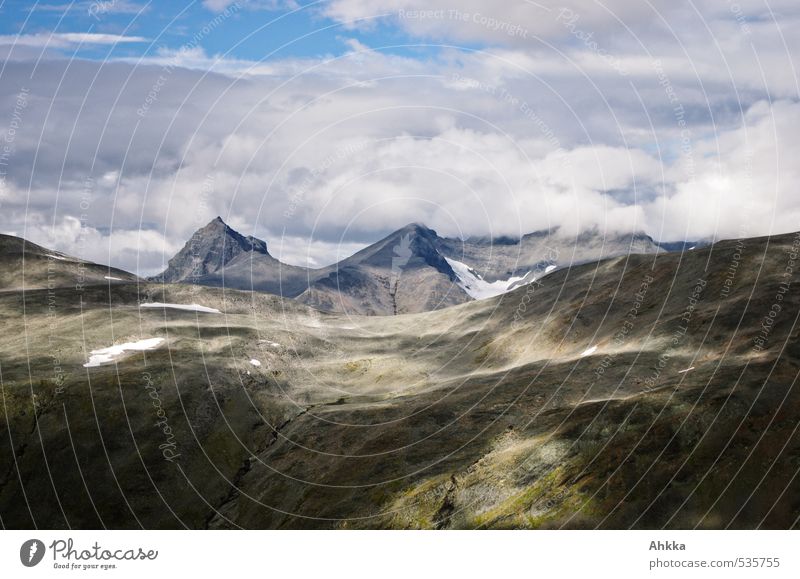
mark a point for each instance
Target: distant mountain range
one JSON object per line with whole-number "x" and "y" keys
{"x": 409, "y": 271}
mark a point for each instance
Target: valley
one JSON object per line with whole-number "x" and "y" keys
{"x": 638, "y": 391}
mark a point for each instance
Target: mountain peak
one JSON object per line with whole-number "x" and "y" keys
{"x": 413, "y": 246}
{"x": 416, "y": 231}
{"x": 208, "y": 251}
{"x": 218, "y": 227}
{"x": 216, "y": 224}
{"x": 416, "y": 227}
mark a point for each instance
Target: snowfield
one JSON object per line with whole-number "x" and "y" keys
{"x": 108, "y": 355}
{"x": 589, "y": 352}
{"x": 478, "y": 288}
{"x": 475, "y": 286}
{"x": 189, "y": 307}
{"x": 255, "y": 362}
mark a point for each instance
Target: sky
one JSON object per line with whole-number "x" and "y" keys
{"x": 322, "y": 126}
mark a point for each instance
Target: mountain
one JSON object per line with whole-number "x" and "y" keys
{"x": 209, "y": 250}
{"x": 216, "y": 255}
{"x": 643, "y": 391}
{"x": 402, "y": 273}
{"x": 27, "y": 266}
{"x": 411, "y": 270}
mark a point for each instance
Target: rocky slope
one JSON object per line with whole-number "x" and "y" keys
{"x": 402, "y": 273}
{"x": 641, "y": 391}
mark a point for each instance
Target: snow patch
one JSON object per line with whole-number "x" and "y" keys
{"x": 268, "y": 343}
{"x": 589, "y": 352}
{"x": 255, "y": 363}
{"x": 549, "y": 268}
{"x": 684, "y": 371}
{"x": 51, "y": 256}
{"x": 113, "y": 278}
{"x": 478, "y": 288}
{"x": 189, "y": 307}
{"x": 108, "y": 355}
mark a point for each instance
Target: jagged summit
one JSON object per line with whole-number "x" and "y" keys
{"x": 209, "y": 250}
{"x": 249, "y": 243}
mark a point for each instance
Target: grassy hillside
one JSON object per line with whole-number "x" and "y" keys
{"x": 643, "y": 391}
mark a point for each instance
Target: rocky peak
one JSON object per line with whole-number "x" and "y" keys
{"x": 412, "y": 246}
{"x": 208, "y": 250}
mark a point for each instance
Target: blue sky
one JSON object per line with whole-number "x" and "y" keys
{"x": 252, "y": 31}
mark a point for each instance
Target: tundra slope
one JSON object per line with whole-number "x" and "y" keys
{"x": 26, "y": 265}
{"x": 566, "y": 403}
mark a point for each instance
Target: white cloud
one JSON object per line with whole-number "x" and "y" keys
{"x": 745, "y": 183}
{"x": 218, "y": 5}
{"x": 129, "y": 249}
{"x": 95, "y": 8}
{"x": 748, "y": 43}
{"x": 307, "y": 252}
{"x": 66, "y": 39}
{"x": 499, "y": 22}
{"x": 221, "y": 5}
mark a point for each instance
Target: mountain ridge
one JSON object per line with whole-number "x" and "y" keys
{"x": 410, "y": 270}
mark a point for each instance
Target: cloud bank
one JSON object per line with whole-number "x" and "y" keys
{"x": 678, "y": 121}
